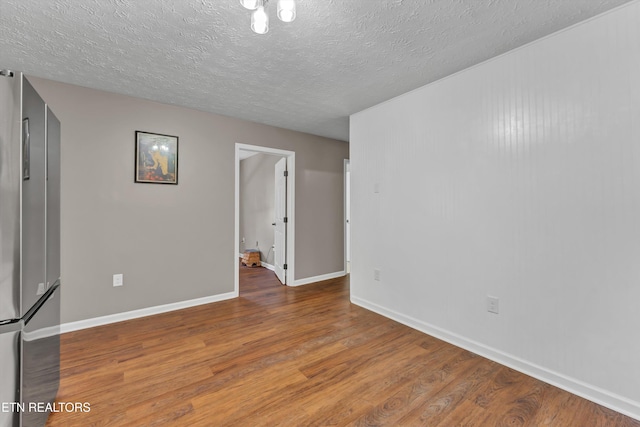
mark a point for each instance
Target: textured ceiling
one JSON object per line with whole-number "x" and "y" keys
{"x": 338, "y": 57}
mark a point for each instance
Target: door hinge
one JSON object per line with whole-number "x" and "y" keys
{"x": 286, "y": 173}
{"x": 284, "y": 266}
{"x": 286, "y": 219}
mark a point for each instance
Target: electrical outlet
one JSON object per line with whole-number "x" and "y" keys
{"x": 243, "y": 240}
{"x": 41, "y": 289}
{"x": 118, "y": 280}
{"x": 493, "y": 304}
{"x": 376, "y": 274}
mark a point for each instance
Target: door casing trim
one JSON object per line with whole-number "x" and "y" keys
{"x": 291, "y": 228}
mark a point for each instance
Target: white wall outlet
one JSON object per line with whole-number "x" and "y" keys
{"x": 118, "y": 280}
{"x": 41, "y": 289}
{"x": 243, "y": 240}
{"x": 493, "y": 304}
{"x": 376, "y": 274}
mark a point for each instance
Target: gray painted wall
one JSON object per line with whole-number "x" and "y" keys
{"x": 257, "y": 194}
{"x": 172, "y": 242}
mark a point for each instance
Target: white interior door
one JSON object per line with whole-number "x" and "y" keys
{"x": 280, "y": 230}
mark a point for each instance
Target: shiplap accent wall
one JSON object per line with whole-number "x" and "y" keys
{"x": 518, "y": 178}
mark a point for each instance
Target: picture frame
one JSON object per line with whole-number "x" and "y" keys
{"x": 156, "y": 158}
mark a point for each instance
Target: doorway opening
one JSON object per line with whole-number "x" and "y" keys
{"x": 278, "y": 253}
{"x": 347, "y": 216}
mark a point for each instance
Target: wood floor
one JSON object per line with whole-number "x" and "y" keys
{"x": 280, "y": 356}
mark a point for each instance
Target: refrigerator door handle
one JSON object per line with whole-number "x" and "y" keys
{"x": 26, "y": 150}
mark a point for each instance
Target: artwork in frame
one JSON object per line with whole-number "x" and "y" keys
{"x": 156, "y": 158}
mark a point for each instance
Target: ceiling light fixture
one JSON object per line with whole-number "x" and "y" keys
{"x": 260, "y": 19}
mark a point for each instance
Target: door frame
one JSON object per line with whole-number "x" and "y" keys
{"x": 291, "y": 186}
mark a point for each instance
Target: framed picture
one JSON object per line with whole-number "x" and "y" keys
{"x": 156, "y": 158}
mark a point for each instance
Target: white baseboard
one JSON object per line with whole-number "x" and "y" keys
{"x": 595, "y": 394}
{"x": 143, "y": 312}
{"x": 320, "y": 278}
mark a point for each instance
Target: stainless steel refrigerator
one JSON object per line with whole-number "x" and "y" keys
{"x": 29, "y": 254}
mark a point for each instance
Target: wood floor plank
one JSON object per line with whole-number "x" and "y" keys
{"x": 241, "y": 397}
{"x": 424, "y": 393}
{"x": 301, "y": 356}
{"x": 449, "y": 398}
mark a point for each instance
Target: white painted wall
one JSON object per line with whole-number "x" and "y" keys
{"x": 518, "y": 178}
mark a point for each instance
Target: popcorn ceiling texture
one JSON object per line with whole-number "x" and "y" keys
{"x": 337, "y": 58}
